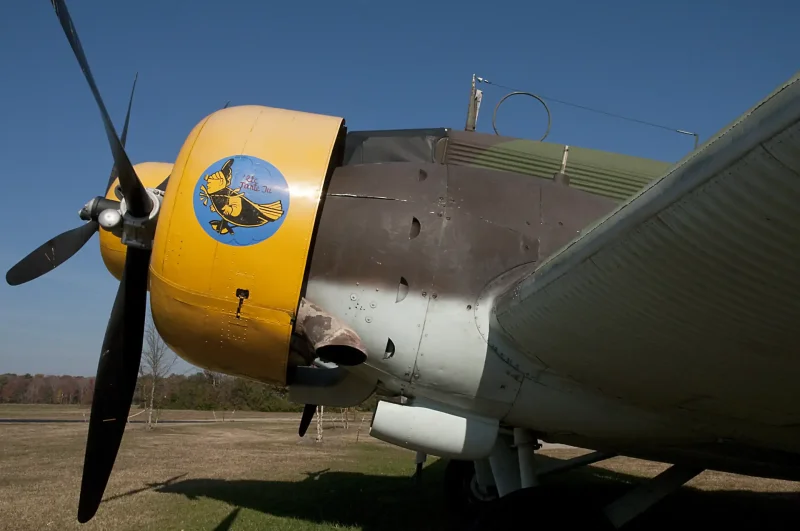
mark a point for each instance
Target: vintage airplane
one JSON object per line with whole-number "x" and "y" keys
{"x": 499, "y": 292}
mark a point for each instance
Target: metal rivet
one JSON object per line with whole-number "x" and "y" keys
{"x": 434, "y": 295}
{"x": 353, "y": 297}
{"x": 372, "y": 305}
{"x": 368, "y": 319}
{"x": 469, "y": 306}
{"x": 424, "y": 293}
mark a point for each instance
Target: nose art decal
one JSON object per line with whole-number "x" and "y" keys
{"x": 241, "y": 200}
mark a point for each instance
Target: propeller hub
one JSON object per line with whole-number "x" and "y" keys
{"x": 139, "y": 231}
{"x": 110, "y": 219}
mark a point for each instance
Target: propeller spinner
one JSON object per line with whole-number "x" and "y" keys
{"x": 134, "y": 219}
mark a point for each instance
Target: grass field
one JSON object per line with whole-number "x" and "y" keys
{"x": 257, "y": 473}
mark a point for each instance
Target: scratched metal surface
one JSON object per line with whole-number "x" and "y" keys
{"x": 375, "y": 254}
{"x": 687, "y": 298}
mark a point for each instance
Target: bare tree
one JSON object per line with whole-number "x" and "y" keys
{"x": 220, "y": 392}
{"x": 54, "y": 383}
{"x": 157, "y": 363}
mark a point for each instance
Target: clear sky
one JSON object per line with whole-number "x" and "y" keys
{"x": 693, "y": 65}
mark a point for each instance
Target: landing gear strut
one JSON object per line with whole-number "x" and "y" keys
{"x": 504, "y": 489}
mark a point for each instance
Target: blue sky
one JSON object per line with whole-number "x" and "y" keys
{"x": 689, "y": 65}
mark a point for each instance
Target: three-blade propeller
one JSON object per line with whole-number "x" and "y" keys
{"x": 121, "y": 352}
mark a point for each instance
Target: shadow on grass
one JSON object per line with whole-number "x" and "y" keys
{"x": 150, "y": 486}
{"x": 347, "y": 498}
{"x": 392, "y": 503}
{"x": 226, "y": 524}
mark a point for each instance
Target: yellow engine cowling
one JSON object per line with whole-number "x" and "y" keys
{"x": 232, "y": 242}
{"x": 151, "y": 174}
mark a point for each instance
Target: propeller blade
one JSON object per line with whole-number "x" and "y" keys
{"x": 114, "y": 386}
{"x": 136, "y": 198}
{"x": 163, "y": 185}
{"x": 305, "y": 420}
{"x": 51, "y": 254}
{"x": 124, "y": 134}
{"x": 128, "y": 114}
{"x": 58, "y": 250}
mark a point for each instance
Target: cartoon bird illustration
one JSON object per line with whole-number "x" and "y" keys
{"x": 235, "y": 209}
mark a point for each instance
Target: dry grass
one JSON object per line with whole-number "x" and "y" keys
{"x": 260, "y": 475}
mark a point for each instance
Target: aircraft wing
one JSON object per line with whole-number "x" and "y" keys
{"x": 688, "y": 294}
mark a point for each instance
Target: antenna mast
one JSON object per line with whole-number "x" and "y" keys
{"x": 475, "y": 96}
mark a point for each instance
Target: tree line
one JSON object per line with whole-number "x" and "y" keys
{"x": 41, "y": 389}
{"x": 202, "y": 390}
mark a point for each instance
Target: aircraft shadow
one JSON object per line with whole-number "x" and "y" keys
{"x": 377, "y": 503}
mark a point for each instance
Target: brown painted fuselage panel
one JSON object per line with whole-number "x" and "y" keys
{"x": 404, "y": 250}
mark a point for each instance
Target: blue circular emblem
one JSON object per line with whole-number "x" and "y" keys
{"x": 241, "y": 200}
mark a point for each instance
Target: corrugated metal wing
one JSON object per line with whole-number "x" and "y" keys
{"x": 688, "y": 296}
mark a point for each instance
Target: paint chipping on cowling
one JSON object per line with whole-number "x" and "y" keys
{"x": 329, "y": 338}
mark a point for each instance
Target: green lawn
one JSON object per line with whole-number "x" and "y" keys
{"x": 248, "y": 475}
{"x": 258, "y": 474}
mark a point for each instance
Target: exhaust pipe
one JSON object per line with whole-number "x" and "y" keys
{"x": 330, "y": 339}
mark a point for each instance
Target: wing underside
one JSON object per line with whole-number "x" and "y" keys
{"x": 688, "y": 295}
